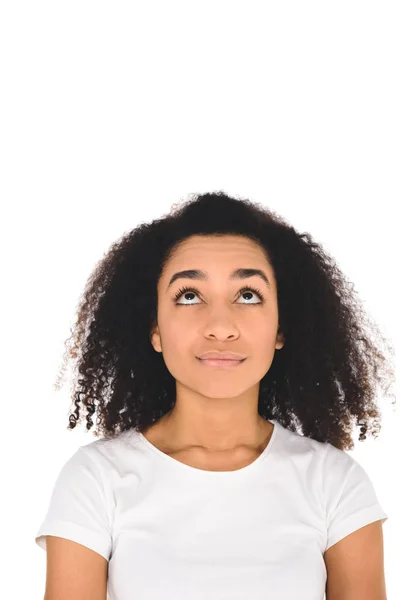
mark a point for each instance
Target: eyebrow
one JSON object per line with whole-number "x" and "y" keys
{"x": 236, "y": 274}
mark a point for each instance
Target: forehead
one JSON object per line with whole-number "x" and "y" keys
{"x": 222, "y": 254}
{"x": 226, "y": 246}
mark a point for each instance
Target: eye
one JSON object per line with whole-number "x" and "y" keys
{"x": 186, "y": 290}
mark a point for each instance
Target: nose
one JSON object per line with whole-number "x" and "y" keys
{"x": 221, "y": 332}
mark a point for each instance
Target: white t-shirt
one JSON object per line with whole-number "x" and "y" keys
{"x": 175, "y": 532}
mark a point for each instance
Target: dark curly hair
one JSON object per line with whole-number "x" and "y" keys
{"x": 321, "y": 381}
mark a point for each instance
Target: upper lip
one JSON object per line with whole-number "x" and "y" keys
{"x": 221, "y": 355}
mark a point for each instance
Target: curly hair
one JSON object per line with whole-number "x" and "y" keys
{"x": 323, "y": 379}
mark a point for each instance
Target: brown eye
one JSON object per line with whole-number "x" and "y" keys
{"x": 185, "y": 291}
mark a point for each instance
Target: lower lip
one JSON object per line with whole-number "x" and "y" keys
{"x": 215, "y": 362}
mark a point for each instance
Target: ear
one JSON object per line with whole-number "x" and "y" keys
{"x": 155, "y": 339}
{"x": 280, "y": 340}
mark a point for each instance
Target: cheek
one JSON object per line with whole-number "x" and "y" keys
{"x": 176, "y": 335}
{"x": 177, "y": 321}
{"x": 263, "y": 328}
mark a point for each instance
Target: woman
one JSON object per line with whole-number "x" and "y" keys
{"x": 218, "y": 478}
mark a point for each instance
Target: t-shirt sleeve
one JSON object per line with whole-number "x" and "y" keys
{"x": 351, "y": 500}
{"x": 77, "y": 509}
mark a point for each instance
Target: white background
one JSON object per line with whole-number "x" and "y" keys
{"x": 113, "y": 111}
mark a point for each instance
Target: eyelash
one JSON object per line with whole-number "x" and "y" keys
{"x": 183, "y": 290}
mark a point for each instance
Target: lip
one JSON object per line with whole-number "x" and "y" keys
{"x": 219, "y": 355}
{"x": 218, "y": 362}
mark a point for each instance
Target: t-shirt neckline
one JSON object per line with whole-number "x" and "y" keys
{"x": 236, "y": 473}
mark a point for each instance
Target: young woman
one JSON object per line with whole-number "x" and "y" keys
{"x": 226, "y": 476}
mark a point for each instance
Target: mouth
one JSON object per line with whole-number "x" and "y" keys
{"x": 220, "y": 362}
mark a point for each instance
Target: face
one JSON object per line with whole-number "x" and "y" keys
{"x": 218, "y": 313}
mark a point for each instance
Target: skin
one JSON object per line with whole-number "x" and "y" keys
{"x": 216, "y": 409}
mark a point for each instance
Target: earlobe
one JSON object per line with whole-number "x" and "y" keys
{"x": 156, "y": 340}
{"x": 280, "y": 340}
